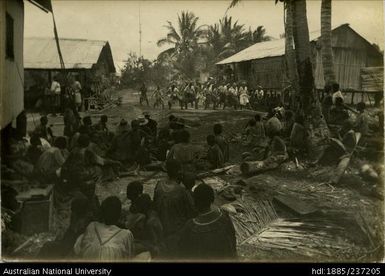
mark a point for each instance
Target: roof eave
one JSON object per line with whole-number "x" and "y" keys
{"x": 44, "y": 5}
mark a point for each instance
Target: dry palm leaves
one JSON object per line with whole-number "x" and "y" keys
{"x": 258, "y": 225}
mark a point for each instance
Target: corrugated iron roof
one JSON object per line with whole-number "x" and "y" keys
{"x": 41, "y": 53}
{"x": 273, "y": 48}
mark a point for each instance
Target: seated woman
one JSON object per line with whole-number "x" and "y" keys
{"x": 51, "y": 160}
{"x": 209, "y": 236}
{"x": 104, "y": 241}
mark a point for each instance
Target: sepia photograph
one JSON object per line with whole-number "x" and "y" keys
{"x": 237, "y": 131}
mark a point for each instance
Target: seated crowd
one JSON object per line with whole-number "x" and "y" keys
{"x": 181, "y": 220}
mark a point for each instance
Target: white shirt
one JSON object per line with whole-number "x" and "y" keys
{"x": 55, "y": 87}
{"x": 336, "y": 95}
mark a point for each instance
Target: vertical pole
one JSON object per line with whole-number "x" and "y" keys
{"x": 140, "y": 34}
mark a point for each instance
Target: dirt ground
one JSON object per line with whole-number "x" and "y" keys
{"x": 350, "y": 214}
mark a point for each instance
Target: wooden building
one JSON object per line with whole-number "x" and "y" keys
{"x": 263, "y": 63}
{"x": 11, "y": 58}
{"x": 86, "y": 59}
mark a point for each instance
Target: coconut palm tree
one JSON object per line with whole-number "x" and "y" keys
{"x": 233, "y": 37}
{"x": 184, "y": 37}
{"x": 258, "y": 35}
{"x": 291, "y": 65}
{"x": 326, "y": 40}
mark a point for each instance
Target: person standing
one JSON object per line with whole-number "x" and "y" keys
{"x": 243, "y": 97}
{"x": 77, "y": 87}
{"x": 143, "y": 94}
{"x": 55, "y": 91}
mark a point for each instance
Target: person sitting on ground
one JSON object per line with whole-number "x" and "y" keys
{"x": 83, "y": 165}
{"x": 210, "y": 235}
{"x": 338, "y": 113}
{"x": 51, "y": 160}
{"x": 152, "y": 124}
{"x": 327, "y": 102}
{"x": 288, "y": 123}
{"x": 86, "y": 128}
{"x": 164, "y": 143}
{"x": 81, "y": 216}
{"x": 184, "y": 152}
{"x": 71, "y": 123}
{"x": 149, "y": 230}
{"x": 138, "y": 144}
{"x": 118, "y": 149}
{"x": 255, "y": 133}
{"x": 35, "y": 150}
{"x": 188, "y": 182}
{"x": 298, "y": 133}
{"x": 273, "y": 124}
{"x": 173, "y": 205}
{"x": 131, "y": 216}
{"x": 101, "y": 126}
{"x": 104, "y": 240}
{"x": 221, "y": 141}
{"x": 362, "y": 121}
{"x": 43, "y": 130}
{"x": 175, "y": 126}
{"x": 336, "y": 93}
{"x": 214, "y": 154}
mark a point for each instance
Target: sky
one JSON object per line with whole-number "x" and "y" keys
{"x": 118, "y": 21}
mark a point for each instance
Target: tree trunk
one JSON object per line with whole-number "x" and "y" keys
{"x": 290, "y": 53}
{"x": 315, "y": 123}
{"x": 326, "y": 39}
{"x": 303, "y": 56}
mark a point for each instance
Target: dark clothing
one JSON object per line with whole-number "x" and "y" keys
{"x": 152, "y": 125}
{"x": 223, "y": 145}
{"x": 362, "y": 123}
{"x": 71, "y": 124}
{"x": 120, "y": 147}
{"x": 338, "y": 115}
{"x": 215, "y": 157}
{"x": 209, "y": 236}
{"x": 175, "y": 208}
{"x": 43, "y": 132}
{"x": 33, "y": 154}
{"x": 173, "y": 205}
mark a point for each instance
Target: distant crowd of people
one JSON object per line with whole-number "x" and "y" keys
{"x": 211, "y": 94}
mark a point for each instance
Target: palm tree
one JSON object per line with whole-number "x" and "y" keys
{"x": 303, "y": 55}
{"x": 309, "y": 103}
{"x": 326, "y": 36}
{"x": 291, "y": 65}
{"x": 185, "y": 37}
{"x": 258, "y": 35}
{"x": 184, "y": 41}
{"x": 233, "y": 37}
